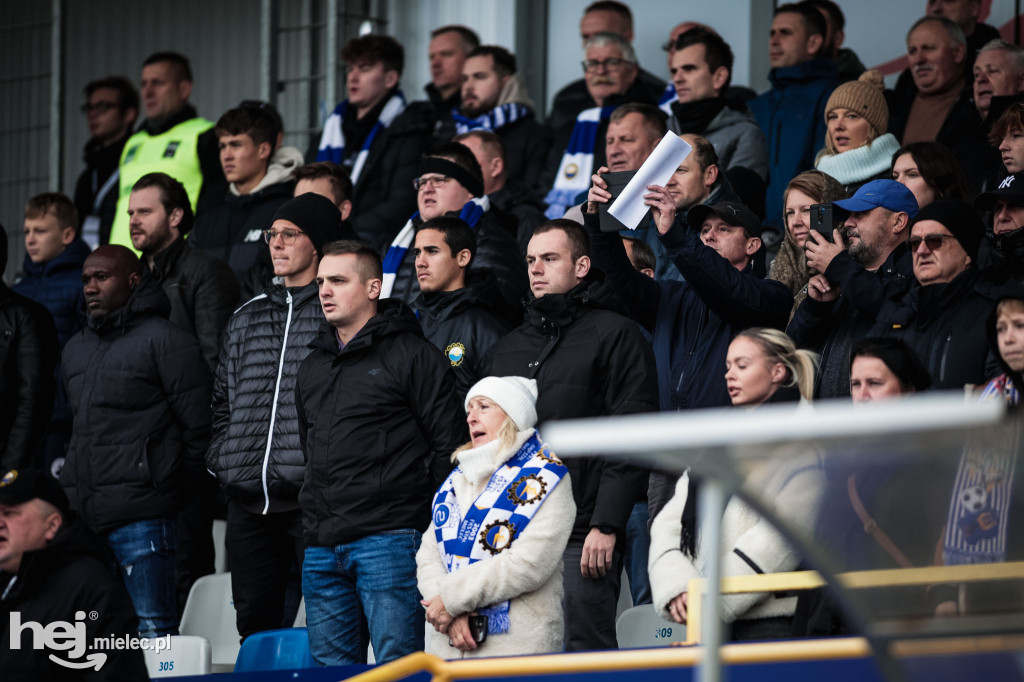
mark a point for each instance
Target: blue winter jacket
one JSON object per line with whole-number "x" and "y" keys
{"x": 792, "y": 116}
{"x": 693, "y": 322}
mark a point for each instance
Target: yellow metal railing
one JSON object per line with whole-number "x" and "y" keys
{"x": 808, "y": 580}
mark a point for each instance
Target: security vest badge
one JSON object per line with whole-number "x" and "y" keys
{"x": 497, "y": 536}
{"x": 456, "y": 353}
{"x": 171, "y": 149}
{"x": 130, "y": 154}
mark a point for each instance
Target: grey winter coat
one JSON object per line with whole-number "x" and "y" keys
{"x": 737, "y": 140}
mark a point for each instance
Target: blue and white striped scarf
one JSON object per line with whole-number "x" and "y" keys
{"x": 332, "y": 141}
{"x": 494, "y": 119}
{"x": 577, "y": 163}
{"x": 667, "y": 98}
{"x": 497, "y": 517}
{"x": 471, "y": 213}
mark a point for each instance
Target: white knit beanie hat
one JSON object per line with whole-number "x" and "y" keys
{"x": 515, "y": 395}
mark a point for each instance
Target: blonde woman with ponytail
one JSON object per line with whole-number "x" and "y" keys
{"x": 763, "y": 366}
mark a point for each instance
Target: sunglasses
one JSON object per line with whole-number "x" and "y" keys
{"x": 934, "y": 242}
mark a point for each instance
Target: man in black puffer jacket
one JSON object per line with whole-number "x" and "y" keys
{"x": 255, "y": 451}
{"x": 455, "y": 316}
{"x": 451, "y": 183}
{"x": 588, "y": 361}
{"x": 377, "y": 411}
{"x": 140, "y": 394}
{"x": 28, "y": 355}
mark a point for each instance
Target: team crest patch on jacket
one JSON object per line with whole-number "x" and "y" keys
{"x": 456, "y": 353}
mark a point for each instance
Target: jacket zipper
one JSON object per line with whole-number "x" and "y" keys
{"x": 945, "y": 352}
{"x": 273, "y": 408}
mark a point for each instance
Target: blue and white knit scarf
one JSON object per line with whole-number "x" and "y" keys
{"x": 577, "y": 163}
{"x": 497, "y": 517}
{"x": 471, "y": 213}
{"x": 332, "y": 141}
{"x": 667, "y": 98}
{"x": 494, "y": 119}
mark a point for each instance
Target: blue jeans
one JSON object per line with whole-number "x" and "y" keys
{"x": 638, "y": 542}
{"x": 373, "y": 577}
{"x": 145, "y": 552}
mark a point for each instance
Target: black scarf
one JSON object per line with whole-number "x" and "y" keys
{"x": 694, "y": 117}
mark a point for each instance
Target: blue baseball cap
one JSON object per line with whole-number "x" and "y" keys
{"x": 885, "y": 193}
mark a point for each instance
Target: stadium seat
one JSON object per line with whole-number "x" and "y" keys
{"x": 210, "y": 612}
{"x": 641, "y": 627}
{"x": 220, "y": 554}
{"x": 187, "y": 655}
{"x": 286, "y": 649}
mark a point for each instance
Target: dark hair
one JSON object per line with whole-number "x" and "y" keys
{"x": 457, "y": 234}
{"x": 179, "y": 64}
{"x": 619, "y": 8}
{"x": 717, "y": 52}
{"x": 374, "y": 48}
{"x": 341, "y": 184}
{"x": 367, "y": 259}
{"x": 704, "y": 152}
{"x": 813, "y": 22}
{"x": 830, "y": 8}
{"x": 255, "y": 122}
{"x": 643, "y": 254}
{"x": 470, "y": 39}
{"x": 938, "y": 167}
{"x": 654, "y": 118}
{"x": 579, "y": 240}
{"x": 898, "y": 357}
{"x": 60, "y": 205}
{"x": 491, "y": 141}
{"x": 1011, "y": 119}
{"x": 172, "y": 196}
{"x": 504, "y": 61}
{"x": 460, "y": 155}
{"x": 127, "y": 95}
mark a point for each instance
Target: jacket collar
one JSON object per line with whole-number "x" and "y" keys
{"x": 811, "y": 70}
{"x": 165, "y": 261}
{"x": 160, "y": 126}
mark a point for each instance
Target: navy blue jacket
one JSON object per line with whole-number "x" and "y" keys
{"x": 691, "y": 322}
{"x": 792, "y": 116}
{"x": 57, "y": 284}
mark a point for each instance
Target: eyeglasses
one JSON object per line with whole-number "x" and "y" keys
{"x": 287, "y": 236}
{"x": 610, "y": 63}
{"x": 934, "y": 242}
{"x": 434, "y": 181}
{"x": 101, "y": 107}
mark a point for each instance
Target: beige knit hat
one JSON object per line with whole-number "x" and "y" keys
{"x": 863, "y": 96}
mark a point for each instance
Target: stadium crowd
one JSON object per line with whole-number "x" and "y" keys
{"x": 348, "y": 352}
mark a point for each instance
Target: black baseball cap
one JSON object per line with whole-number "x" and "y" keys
{"x": 18, "y": 486}
{"x": 732, "y": 212}
{"x": 1010, "y": 189}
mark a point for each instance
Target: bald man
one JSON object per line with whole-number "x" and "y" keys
{"x": 139, "y": 390}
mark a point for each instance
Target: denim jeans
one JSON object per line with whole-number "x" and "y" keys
{"x": 638, "y": 543}
{"x": 145, "y": 552}
{"x": 373, "y": 577}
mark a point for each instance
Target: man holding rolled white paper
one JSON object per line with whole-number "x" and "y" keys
{"x": 691, "y": 322}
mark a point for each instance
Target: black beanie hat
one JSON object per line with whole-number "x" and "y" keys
{"x": 315, "y": 215}
{"x": 960, "y": 219}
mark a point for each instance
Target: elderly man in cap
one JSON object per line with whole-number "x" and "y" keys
{"x": 450, "y": 183}
{"x": 1001, "y": 256}
{"x": 53, "y": 570}
{"x": 943, "y": 317}
{"x": 865, "y": 264}
{"x": 691, "y": 322}
{"x": 255, "y": 451}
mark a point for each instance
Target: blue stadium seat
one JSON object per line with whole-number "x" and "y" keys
{"x": 286, "y": 649}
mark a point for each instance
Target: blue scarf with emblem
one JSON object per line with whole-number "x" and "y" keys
{"x": 471, "y": 213}
{"x": 497, "y": 517}
{"x": 496, "y": 118}
{"x": 577, "y": 163}
{"x": 332, "y": 141}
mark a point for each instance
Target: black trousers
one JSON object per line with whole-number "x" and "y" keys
{"x": 589, "y": 604}
{"x": 196, "y": 555}
{"x": 265, "y": 555}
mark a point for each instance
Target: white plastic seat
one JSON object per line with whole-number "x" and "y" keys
{"x": 220, "y": 553}
{"x": 187, "y": 655}
{"x": 640, "y": 627}
{"x": 210, "y": 613}
{"x": 300, "y": 615}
